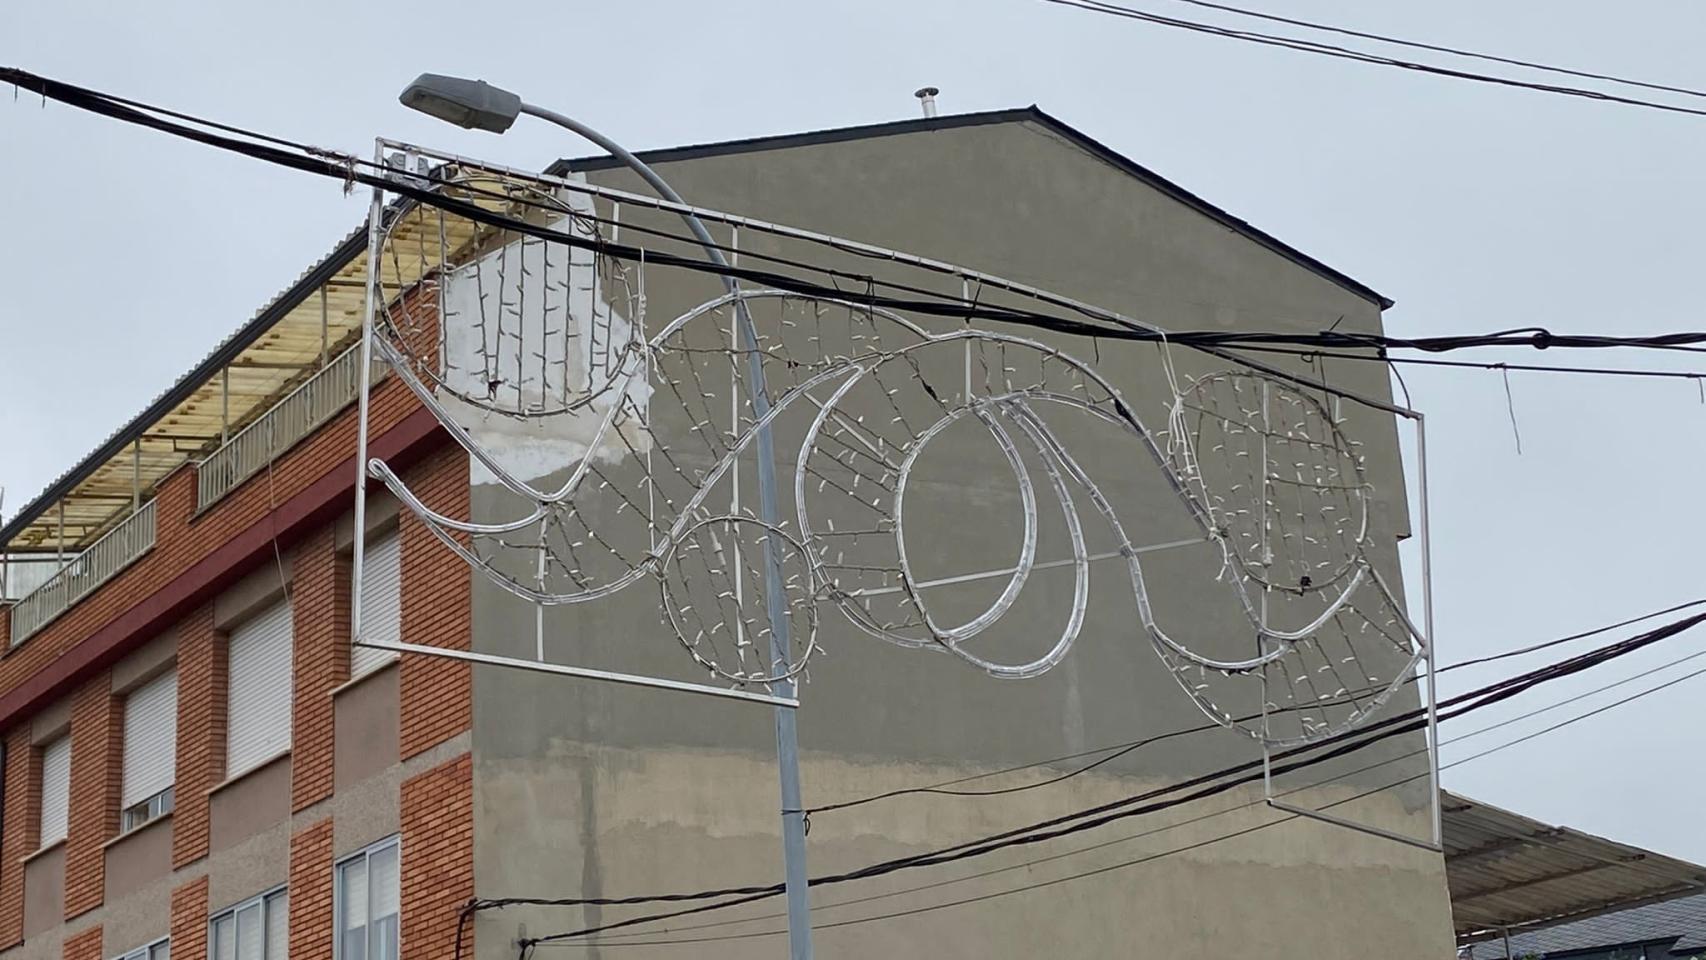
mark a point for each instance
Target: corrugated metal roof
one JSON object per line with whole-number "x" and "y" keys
{"x": 286, "y": 342}
{"x": 1682, "y": 920}
{"x": 1506, "y": 870}
{"x": 174, "y": 427}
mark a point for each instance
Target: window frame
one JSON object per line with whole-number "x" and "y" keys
{"x": 377, "y": 659}
{"x": 365, "y": 854}
{"x": 162, "y": 802}
{"x": 146, "y": 951}
{"x": 42, "y": 840}
{"x": 144, "y": 812}
{"x": 261, "y": 899}
{"x": 287, "y": 603}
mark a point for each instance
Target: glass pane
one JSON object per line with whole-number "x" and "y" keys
{"x": 353, "y": 944}
{"x": 382, "y": 936}
{"x": 250, "y": 933}
{"x": 225, "y": 938}
{"x": 352, "y": 891}
{"x": 382, "y": 872}
{"x": 161, "y": 951}
{"x": 382, "y": 904}
{"x": 278, "y": 926}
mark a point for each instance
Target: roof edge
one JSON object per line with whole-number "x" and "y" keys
{"x": 1032, "y": 114}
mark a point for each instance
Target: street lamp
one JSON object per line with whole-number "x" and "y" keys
{"x": 477, "y": 105}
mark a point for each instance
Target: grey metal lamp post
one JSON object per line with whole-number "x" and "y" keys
{"x": 478, "y": 105}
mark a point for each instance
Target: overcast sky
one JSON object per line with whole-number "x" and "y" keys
{"x": 126, "y": 255}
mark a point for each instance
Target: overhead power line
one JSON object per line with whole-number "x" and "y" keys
{"x": 1225, "y": 811}
{"x": 1439, "y": 48}
{"x": 1116, "y": 751}
{"x": 582, "y": 938}
{"x": 351, "y": 170}
{"x": 1172, "y": 795}
{"x": 1360, "y": 56}
{"x": 1473, "y": 365}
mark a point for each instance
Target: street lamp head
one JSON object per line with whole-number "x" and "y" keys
{"x": 474, "y": 104}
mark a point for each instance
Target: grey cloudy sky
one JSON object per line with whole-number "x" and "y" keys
{"x": 126, "y": 255}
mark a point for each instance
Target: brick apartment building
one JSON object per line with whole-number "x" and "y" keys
{"x": 197, "y": 763}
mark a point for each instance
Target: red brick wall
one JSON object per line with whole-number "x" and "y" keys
{"x": 437, "y": 693}
{"x": 83, "y": 946}
{"x": 97, "y": 737}
{"x": 197, "y": 550}
{"x": 437, "y": 858}
{"x": 201, "y": 732}
{"x": 189, "y": 920}
{"x": 21, "y": 826}
{"x": 321, "y": 664}
{"x": 311, "y": 927}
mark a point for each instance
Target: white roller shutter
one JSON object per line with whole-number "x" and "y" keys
{"x": 55, "y": 790}
{"x": 150, "y": 738}
{"x": 381, "y": 603}
{"x": 257, "y": 722}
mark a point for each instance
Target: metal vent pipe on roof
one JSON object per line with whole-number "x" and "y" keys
{"x": 927, "y": 99}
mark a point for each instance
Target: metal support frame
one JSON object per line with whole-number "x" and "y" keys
{"x": 793, "y": 832}
{"x": 224, "y": 405}
{"x": 587, "y": 673}
{"x": 787, "y": 737}
{"x": 784, "y": 700}
{"x": 1436, "y": 843}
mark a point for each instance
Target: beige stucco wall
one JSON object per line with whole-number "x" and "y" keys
{"x": 588, "y": 790}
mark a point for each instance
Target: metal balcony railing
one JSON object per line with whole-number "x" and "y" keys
{"x": 93, "y": 567}
{"x": 303, "y": 410}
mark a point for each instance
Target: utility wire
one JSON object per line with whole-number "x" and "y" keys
{"x": 345, "y": 168}
{"x": 1347, "y": 53}
{"x": 1438, "y": 48}
{"x": 1308, "y": 355}
{"x": 1027, "y": 864}
{"x": 1176, "y": 850}
{"x": 1118, "y": 750}
{"x": 1141, "y": 804}
{"x": 350, "y": 170}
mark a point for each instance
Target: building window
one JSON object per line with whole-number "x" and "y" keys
{"x": 256, "y": 929}
{"x": 257, "y": 721}
{"x": 381, "y": 603}
{"x": 150, "y": 750}
{"x": 158, "y": 950}
{"x": 55, "y": 790}
{"x": 365, "y": 901}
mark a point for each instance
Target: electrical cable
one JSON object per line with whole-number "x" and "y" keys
{"x": 346, "y": 168}
{"x": 1141, "y": 804}
{"x": 1115, "y": 751}
{"x": 1176, "y": 850}
{"x": 1026, "y": 864}
{"x": 1307, "y": 355}
{"x": 1359, "y": 56}
{"x": 1437, "y": 48}
{"x": 325, "y": 165}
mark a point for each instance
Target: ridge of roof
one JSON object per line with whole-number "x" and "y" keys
{"x": 1033, "y": 114}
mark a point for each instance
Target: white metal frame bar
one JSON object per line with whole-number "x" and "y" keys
{"x": 1436, "y": 843}
{"x": 588, "y": 673}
